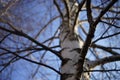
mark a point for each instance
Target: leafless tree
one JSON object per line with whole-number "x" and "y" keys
{"x": 59, "y": 39}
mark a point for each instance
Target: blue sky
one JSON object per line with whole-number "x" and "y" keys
{"x": 31, "y": 16}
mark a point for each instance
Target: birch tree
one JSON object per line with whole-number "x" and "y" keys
{"x": 59, "y": 39}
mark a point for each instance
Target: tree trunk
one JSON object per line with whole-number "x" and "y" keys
{"x": 70, "y": 52}
{"x": 71, "y": 46}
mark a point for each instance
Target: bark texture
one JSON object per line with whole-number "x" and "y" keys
{"x": 71, "y": 44}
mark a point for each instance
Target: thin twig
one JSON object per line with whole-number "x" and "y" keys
{"x": 20, "y": 33}
{"x": 103, "y": 70}
{"x": 32, "y": 61}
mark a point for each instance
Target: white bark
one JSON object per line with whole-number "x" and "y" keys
{"x": 71, "y": 45}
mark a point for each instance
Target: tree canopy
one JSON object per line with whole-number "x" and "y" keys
{"x": 30, "y": 44}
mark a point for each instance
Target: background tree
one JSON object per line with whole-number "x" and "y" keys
{"x": 59, "y": 39}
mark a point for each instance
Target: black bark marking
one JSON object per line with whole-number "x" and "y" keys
{"x": 73, "y": 37}
{"x": 65, "y": 76}
{"x": 65, "y": 60}
{"x": 76, "y": 49}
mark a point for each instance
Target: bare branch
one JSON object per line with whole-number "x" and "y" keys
{"x": 105, "y": 49}
{"x": 79, "y": 9}
{"x": 58, "y": 8}
{"x": 4, "y": 38}
{"x": 32, "y": 61}
{"x": 45, "y": 26}
{"x": 103, "y": 70}
{"x": 110, "y": 24}
{"x": 92, "y": 29}
{"x": 112, "y": 35}
{"x": 11, "y": 3}
{"x": 19, "y": 33}
{"x": 6, "y": 65}
{"x": 89, "y": 14}
{"x": 105, "y": 10}
{"x": 102, "y": 61}
{"x": 67, "y": 9}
